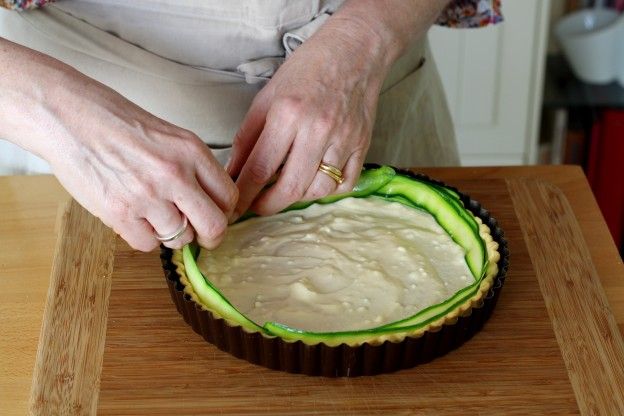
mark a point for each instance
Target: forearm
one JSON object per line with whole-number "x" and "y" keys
{"x": 35, "y": 98}
{"x": 111, "y": 155}
{"x": 388, "y": 26}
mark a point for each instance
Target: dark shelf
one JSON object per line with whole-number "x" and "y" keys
{"x": 563, "y": 89}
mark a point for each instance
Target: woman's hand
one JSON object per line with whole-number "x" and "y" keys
{"x": 320, "y": 105}
{"x": 136, "y": 172}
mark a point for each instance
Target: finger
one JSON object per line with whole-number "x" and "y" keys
{"x": 264, "y": 160}
{"x": 203, "y": 215}
{"x": 295, "y": 177}
{"x": 166, "y": 219}
{"x": 324, "y": 184}
{"x": 351, "y": 172}
{"x": 215, "y": 182}
{"x": 247, "y": 135}
{"x": 138, "y": 233}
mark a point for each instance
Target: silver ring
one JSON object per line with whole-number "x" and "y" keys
{"x": 177, "y": 233}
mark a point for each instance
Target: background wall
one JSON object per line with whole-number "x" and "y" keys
{"x": 493, "y": 79}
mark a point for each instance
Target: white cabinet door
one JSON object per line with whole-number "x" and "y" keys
{"x": 493, "y": 81}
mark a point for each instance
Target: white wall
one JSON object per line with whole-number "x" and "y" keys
{"x": 493, "y": 80}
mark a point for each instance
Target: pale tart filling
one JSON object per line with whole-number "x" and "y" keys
{"x": 349, "y": 265}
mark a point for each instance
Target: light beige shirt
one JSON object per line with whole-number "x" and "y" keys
{"x": 199, "y": 65}
{"x": 206, "y": 33}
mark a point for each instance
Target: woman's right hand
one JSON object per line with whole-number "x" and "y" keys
{"x": 137, "y": 173}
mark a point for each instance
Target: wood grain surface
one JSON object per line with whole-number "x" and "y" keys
{"x": 69, "y": 358}
{"x": 29, "y": 208}
{"x": 27, "y": 238}
{"x": 588, "y": 337}
{"x": 571, "y": 181}
{"x": 155, "y": 364}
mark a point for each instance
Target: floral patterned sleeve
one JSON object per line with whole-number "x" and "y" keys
{"x": 471, "y": 13}
{"x": 22, "y": 4}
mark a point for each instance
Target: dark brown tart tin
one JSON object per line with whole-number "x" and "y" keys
{"x": 343, "y": 360}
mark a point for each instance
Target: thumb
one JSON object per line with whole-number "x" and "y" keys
{"x": 247, "y": 135}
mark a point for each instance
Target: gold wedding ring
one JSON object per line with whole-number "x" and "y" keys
{"x": 331, "y": 171}
{"x": 176, "y": 234}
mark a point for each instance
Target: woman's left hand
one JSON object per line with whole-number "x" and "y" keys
{"x": 319, "y": 107}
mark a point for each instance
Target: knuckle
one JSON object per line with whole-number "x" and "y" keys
{"x": 289, "y": 107}
{"x": 189, "y": 142}
{"x": 362, "y": 144}
{"x": 291, "y": 190}
{"x": 196, "y": 145}
{"x": 119, "y": 208}
{"x": 210, "y": 243}
{"x": 137, "y": 238}
{"x": 349, "y": 184}
{"x": 145, "y": 191}
{"x": 321, "y": 190}
{"x": 140, "y": 244}
{"x": 259, "y": 172}
{"x": 147, "y": 247}
{"x": 215, "y": 230}
{"x": 358, "y": 155}
{"x": 188, "y": 137}
{"x": 323, "y": 123}
{"x": 170, "y": 169}
{"x": 218, "y": 228}
{"x": 231, "y": 197}
{"x": 150, "y": 246}
{"x": 340, "y": 148}
{"x": 350, "y": 181}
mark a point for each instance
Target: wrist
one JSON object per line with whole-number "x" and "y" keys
{"x": 389, "y": 24}
{"x": 370, "y": 38}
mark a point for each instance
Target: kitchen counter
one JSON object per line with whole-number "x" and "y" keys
{"x": 30, "y": 206}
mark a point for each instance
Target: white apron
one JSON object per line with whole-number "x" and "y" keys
{"x": 201, "y": 62}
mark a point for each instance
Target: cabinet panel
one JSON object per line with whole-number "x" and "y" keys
{"x": 493, "y": 81}
{"x": 479, "y": 76}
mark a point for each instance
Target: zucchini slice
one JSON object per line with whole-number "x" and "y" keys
{"x": 383, "y": 182}
{"x": 209, "y": 295}
{"x": 458, "y": 223}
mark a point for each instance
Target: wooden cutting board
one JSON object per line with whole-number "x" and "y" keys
{"x": 113, "y": 343}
